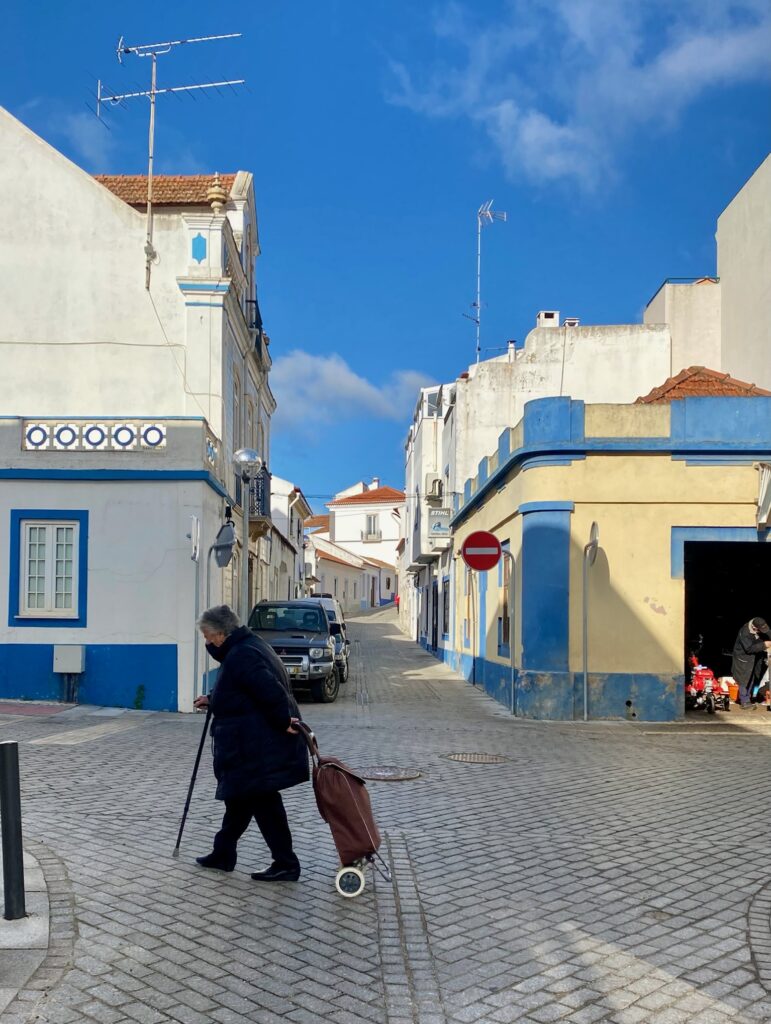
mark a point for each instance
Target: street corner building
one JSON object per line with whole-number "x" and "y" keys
{"x": 128, "y": 382}
{"x": 679, "y": 490}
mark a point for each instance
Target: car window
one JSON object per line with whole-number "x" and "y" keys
{"x": 280, "y": 618}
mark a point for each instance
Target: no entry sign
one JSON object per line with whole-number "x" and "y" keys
{"x": 481, "y": 550}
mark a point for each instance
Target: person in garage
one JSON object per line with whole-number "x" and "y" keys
{"x": 748, "y": 660}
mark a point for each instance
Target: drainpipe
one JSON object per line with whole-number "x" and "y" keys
{"x": 590, "y": 554}
{"x": 292, "y": 502}
{"x": 510, "y": 557}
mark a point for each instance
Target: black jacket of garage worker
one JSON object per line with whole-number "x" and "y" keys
{"x": 746, "y": 660}
{"x": 251, "y": 709}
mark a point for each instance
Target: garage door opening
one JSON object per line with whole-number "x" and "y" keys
{"x": 726, "y": 584}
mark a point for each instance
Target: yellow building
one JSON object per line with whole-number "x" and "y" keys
{"x": 674, "y": 491}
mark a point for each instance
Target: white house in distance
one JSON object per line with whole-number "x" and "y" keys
{"x": 351, "y": 552}
{"x": 120, "y": 408}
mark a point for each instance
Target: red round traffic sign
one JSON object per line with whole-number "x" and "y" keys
{"x": 481, "y": 550}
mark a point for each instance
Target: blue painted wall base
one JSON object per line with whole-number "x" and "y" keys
{"x": 559, "y": 696}
{"x": 117, "y": 675}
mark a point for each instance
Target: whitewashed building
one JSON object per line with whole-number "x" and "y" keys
{"x": 351, "y": 552}
{"x": 285, "y": 561}
{"x": 717, "y": 322}
{"x": 120, "y": 408}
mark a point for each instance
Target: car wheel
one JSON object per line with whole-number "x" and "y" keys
{"x": 344, "y": 672}
{"x": 326, "y": 691}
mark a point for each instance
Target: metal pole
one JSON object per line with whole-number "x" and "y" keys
{"x": 590, "y": 553}
{"x": 196, "y": 634}
{"x": 10, "y": 812}
{"x": 585, "y": 625}
{"x": 245, "y": 562}
{"x": 149, "y": 251}
{"x": 479, "y": 284}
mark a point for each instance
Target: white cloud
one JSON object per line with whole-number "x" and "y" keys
{"x": 560, "y": 86}
{"x": 312, "y": 390}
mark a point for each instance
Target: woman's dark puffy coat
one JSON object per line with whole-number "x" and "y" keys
{"x": 251, "y": 708}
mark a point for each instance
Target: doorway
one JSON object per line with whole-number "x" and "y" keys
{"x": 726, "y": 584}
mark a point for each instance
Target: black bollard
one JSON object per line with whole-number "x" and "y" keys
{"x": 10, "y": 814}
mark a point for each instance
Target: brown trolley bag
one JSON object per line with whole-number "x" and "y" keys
{"x": 343, "y": 802}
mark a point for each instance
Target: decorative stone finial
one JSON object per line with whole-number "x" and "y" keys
{"x": 216, "y": 194}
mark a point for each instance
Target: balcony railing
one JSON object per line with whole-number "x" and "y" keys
{"x": 370, "y": 536}
{"x": 259, "y": 494}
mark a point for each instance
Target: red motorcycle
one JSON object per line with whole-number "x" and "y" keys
{"x": 703, "y": 689}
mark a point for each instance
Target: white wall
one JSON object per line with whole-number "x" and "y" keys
{"x": 592, "y": 363}
{"x": 141, "y": 578}
{"x": 348, "y": 522}
{"x": 744, "y": 267}
{"x": 692, "y": 313}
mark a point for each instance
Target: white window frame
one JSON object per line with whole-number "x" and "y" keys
{"x": 49, "y": 610}
{"x": 371, "y": 524}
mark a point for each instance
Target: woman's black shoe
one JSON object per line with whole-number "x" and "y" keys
{"x": 275, "y": 873}
{"x": 212, "y": 861}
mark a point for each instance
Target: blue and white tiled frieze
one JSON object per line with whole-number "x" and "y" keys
{"x": 93, "y": 435}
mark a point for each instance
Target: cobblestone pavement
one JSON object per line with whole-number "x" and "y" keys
{"x": 612, "y": 872}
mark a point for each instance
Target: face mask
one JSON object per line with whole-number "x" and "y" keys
{"x": 216, "y": 652}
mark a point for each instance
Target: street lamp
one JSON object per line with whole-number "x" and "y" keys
{"x": 247, "y": 464}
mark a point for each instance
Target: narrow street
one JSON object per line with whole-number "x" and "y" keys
{"x": 611, "y": 872}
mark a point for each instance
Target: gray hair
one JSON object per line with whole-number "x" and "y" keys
{"x": 220, "y": 619}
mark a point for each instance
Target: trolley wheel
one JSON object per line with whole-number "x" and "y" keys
{"x": 349, "y": 882}
{"x": 710, "y": 705}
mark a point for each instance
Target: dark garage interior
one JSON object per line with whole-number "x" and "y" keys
{"x": 726, "y": 584}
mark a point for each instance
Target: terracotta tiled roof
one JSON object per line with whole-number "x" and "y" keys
{"x": 317, "y": 523}
{"x": 699, "y": 382}
{"x": 378, "y": 564}
{"x": 380, "y": 495}
{"x": 168, "y": 189}
{"x": 340, "y": 561}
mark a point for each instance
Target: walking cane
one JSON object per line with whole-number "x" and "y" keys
{"x": 192, "y": 782}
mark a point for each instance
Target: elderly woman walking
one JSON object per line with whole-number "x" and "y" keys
{"x": 257, "y": 751}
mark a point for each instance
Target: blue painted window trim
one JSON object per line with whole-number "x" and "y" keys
{"x": 18, "y": 515}
{"x": 731, "y": 534}
{"x": 546, "y": 506}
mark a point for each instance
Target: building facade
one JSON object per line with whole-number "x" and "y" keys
{"x": 683, "y": 551}
{"x": 122, "y": 405}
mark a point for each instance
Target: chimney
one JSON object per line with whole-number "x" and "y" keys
{"x": 375, "y": 483}
{"x": 548, "y": 318}
{"x": 571, "y": 321}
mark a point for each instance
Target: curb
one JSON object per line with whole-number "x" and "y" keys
{"x": 57, "y": 953}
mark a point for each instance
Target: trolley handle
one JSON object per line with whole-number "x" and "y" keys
{"x": 309, "y": 737}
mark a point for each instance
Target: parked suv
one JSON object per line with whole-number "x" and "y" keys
{"x": 337, "y": 625}
{"x": 299, "y": 632}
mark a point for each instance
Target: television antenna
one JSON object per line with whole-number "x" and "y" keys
{"x": 154, "y": 51}
{"x": 485, "y": 215}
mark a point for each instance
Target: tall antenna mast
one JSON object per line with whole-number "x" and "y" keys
{"x": 154, "y": 51}
{"x": 485, "y": 215}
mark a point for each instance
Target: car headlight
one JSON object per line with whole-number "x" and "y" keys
{"x": 317, "y": 652}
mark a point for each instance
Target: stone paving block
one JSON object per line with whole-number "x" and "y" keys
{"x": 509, "y": 898}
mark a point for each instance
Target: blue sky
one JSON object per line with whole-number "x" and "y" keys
{"x": 613, "y": 132}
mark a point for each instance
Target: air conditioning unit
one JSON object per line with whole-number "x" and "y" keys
{"x": 548, "y": 318}
{"x": 434, "y": 487}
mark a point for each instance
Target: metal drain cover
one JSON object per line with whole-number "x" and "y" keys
{"x": 477, "y": 758}
{"x": 388, "y": 773}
